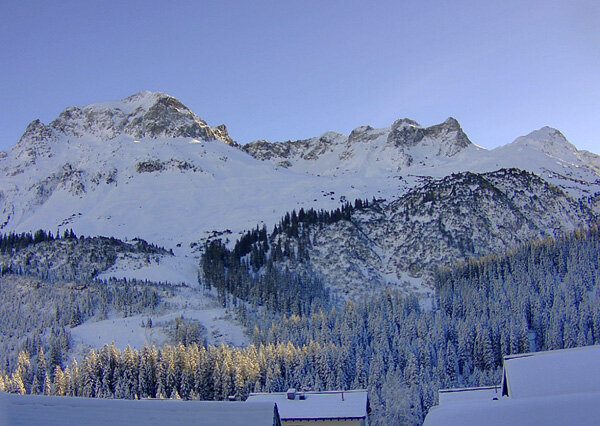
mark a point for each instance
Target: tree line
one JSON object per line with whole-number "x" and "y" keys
{"x": 11, "y": 242}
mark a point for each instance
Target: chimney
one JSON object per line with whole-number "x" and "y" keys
{"x": 291, "y": 393}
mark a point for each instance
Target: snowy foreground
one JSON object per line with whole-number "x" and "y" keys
{"x": 34, "y": 410}
{"x": 576, "y": 409}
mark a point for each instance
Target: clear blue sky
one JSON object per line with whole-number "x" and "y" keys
{"x": 282, "y": 70}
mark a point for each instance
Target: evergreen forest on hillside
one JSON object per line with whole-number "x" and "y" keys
{"x": 541, "y": 295}
{"x": 252, "y": 270}
{"x": 48, "y": 286}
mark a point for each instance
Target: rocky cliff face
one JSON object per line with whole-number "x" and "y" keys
{"x": 403, "y": 141}
{"x": 402, "y": 242}
{"x": 450, "y": 138}
{"x": 35, "y": 143}
{"x": 281, "y": 153}
{"x": 142, "y": 115}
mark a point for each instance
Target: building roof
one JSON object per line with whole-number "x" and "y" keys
{"x": 449, "y": 396}
{"x": 352, "y": 404}
{"x": 59, "y": 410}
{"x": 551, "y": 388}
{"x": 552, "y": 372}
{"x": 571, "y": 409}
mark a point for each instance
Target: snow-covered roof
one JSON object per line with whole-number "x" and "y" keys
{"x": 555, "y": 372}
{"x": 54, "y": 410}
{"x": 317, "y": 405}
{"x": 449, "y": 396}
{"x": 572, "y": 409}
{"x": 550, "y": 388}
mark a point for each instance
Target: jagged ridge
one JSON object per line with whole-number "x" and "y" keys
{"x": 443, "y": 140}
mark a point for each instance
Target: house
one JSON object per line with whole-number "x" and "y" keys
{"x": 318, "y": 408}
{"x": 551, "y": 388}
{"x": 34, "y": 410}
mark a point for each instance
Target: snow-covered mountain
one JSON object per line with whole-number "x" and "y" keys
{"x": 144, "y": 114}
{"x": 403, "y": 242}
{"x": 148, "y": 167}
{"x": 549, "y": 154}
{"x": 144, "y": 166}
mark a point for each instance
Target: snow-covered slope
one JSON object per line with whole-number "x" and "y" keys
{"x": 549, "y": 154}
{"x": 36, "y": 410}
{"x": 401, "y": 243}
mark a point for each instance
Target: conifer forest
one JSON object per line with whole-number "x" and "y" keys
{"x": 541, "y": 295}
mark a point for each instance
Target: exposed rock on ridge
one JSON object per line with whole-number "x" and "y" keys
{"x": 408, "y": 133}
{"x": 397, "y": 142}
{"x": 307, "y": 149}
{"x": 34, "y": 143}
{"x": 143, "y": 115}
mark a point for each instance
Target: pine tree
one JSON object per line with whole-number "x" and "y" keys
{"x": 68, "y": 387}
{"x": 40, "y": 372}
{"x": 16, "y": 384}
{"x": 59, "y": 386}
{"x": 24, "y": 370}
{"x": 47, "y": 384}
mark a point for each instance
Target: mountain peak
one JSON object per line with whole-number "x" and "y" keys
{"x": 404, "y": 122}
{"x": 546, "y": 139}
{"x": 142, "y": 115}
{"x": 35, "y": 130}
{"x": 146, "y": 95}
{"x": 408, "y": 133}
{"x": 143, "y": 100}
{"x": 452, "y": 123}
{"x": 34, "y": 142}
{"x": 547, "y": 133}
